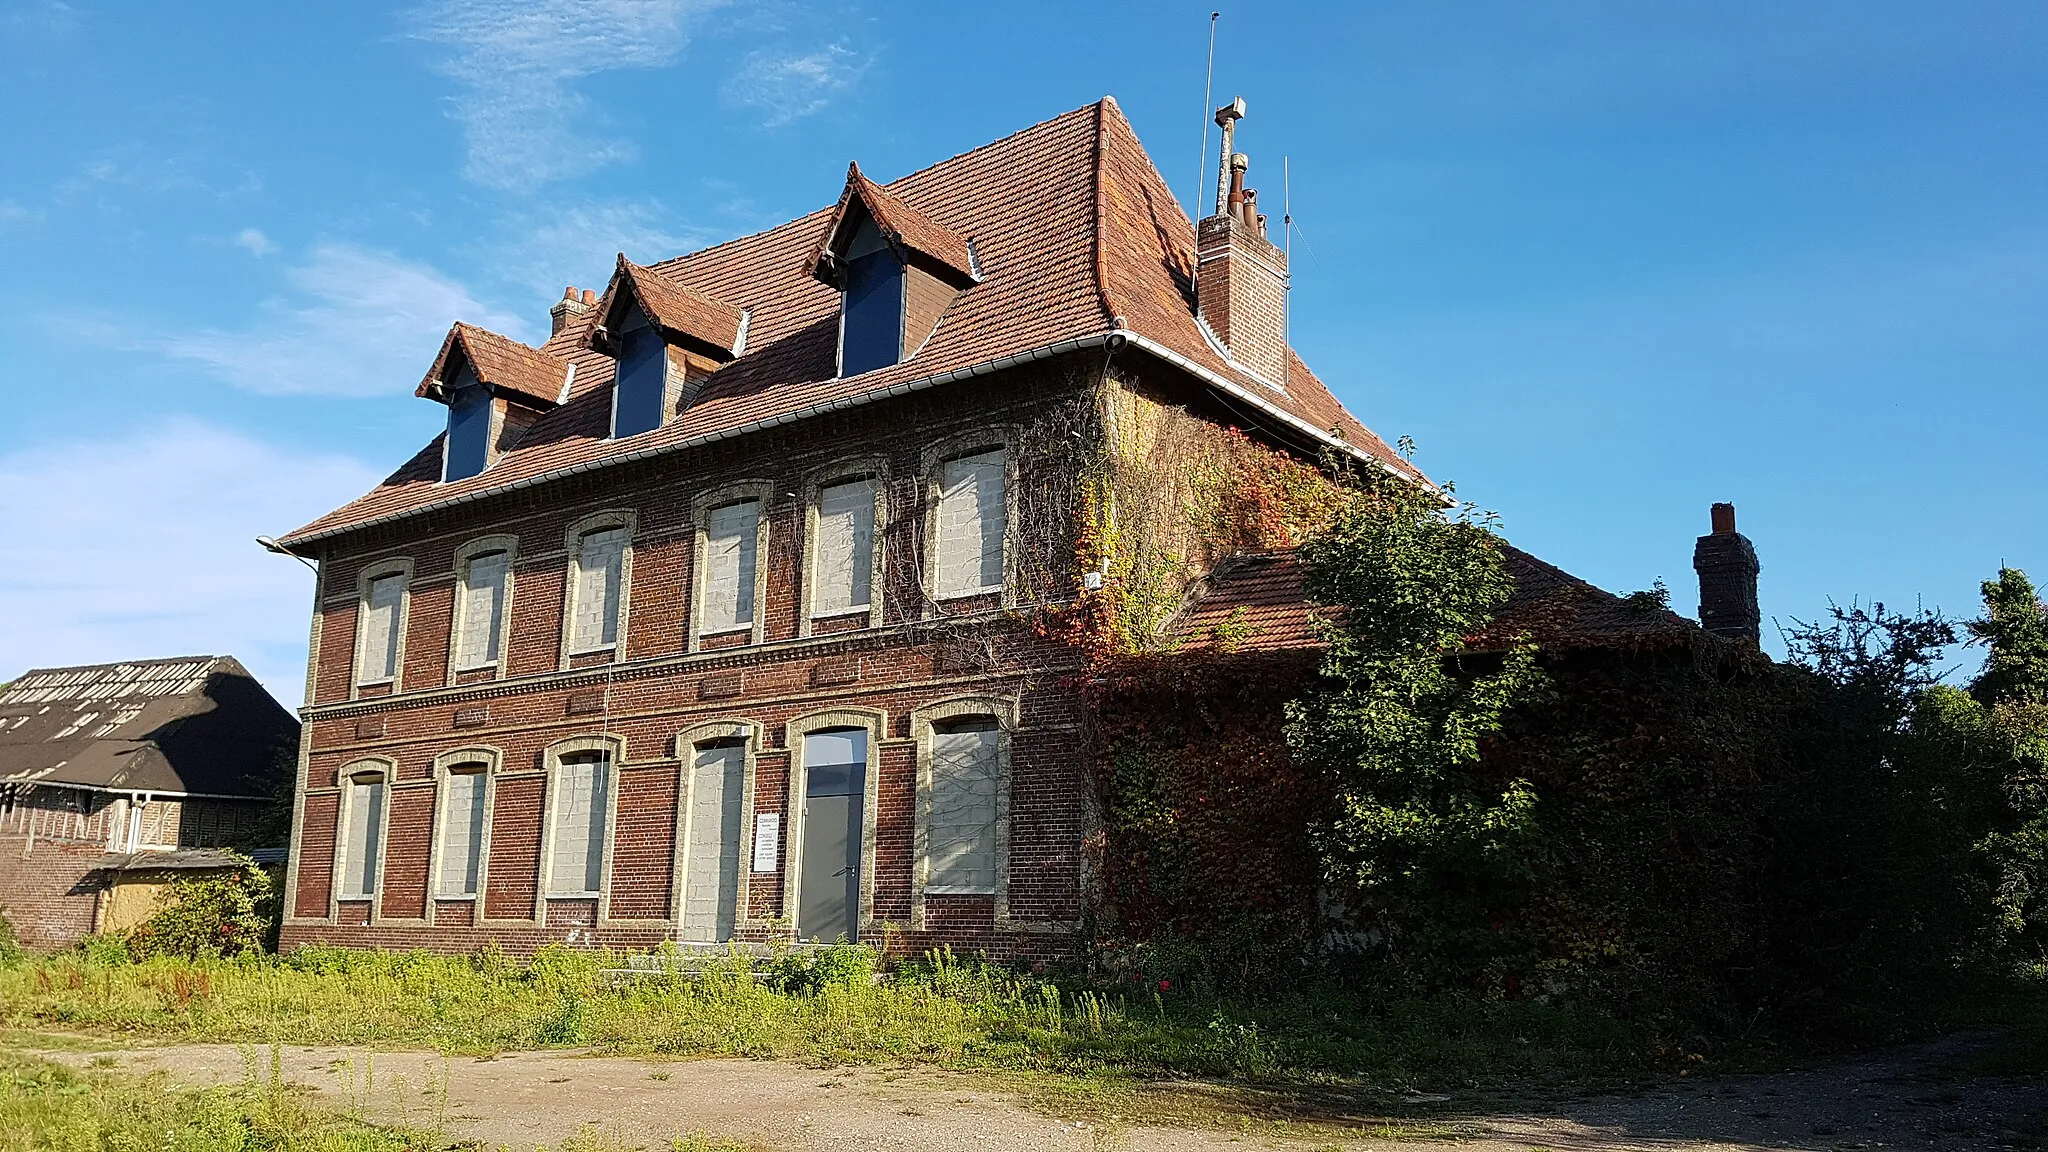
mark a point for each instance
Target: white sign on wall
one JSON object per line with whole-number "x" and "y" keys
{"x": 767, "y": 839}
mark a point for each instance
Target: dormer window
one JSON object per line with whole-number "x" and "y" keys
{"x": 666, "y": 339}
{"x": 641, "y": 388}
{"x": 897, "y": 271}
{"x": 494, "y": 389}
{"x": 468, "y": 448}
{"x": 871, "y": 307}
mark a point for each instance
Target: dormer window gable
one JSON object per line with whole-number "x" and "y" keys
{"x": 495, "y": 388}
{"x": 666, "y": 339}
{"x": 896, "y": 269}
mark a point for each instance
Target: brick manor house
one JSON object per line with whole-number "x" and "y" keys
{"x": 705, "y": 619}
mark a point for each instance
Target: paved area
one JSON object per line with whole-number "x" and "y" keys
{"x": 1912, "y": 1099}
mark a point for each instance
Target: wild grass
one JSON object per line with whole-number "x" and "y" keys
{"x": 44, "y": 1105}
{"x": 944, "y": 1012}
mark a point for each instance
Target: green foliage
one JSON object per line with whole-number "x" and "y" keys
{"x": 1418, "y": 843}
{"x": 105, "y": 950}
{"x": 943, "y": 1010}
{"x": 11, "y": 951}
{"x": 1205, "y": 875}
{"x": 2014, "y": 628}
{"x": 2013, "y": 688}
{"x": 220, "y": 914}
{"x": 808, "y": 971}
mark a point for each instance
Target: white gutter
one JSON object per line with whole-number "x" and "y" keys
{"x": 1116, "y": 338}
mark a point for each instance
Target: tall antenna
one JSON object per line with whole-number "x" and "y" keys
{"x": 1208, "y": 87}
{"x": 1287, "y": 250}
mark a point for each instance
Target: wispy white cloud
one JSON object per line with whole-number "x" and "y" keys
{"x": 12, "y": 211}
{"x": 362, "y": 323}
{"x": 784, "y": 86}
{"x": 577, "y": 243}
{"x": 518, "y": 62}
{"x": 142, "y": 545}
{"x": 156, "y": 168}
{"x": 255, "y": 241}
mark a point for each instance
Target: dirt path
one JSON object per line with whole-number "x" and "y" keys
{"x": 1906, "y": 1099}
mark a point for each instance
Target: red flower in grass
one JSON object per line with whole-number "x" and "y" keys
{"x": 1166, "y": 985}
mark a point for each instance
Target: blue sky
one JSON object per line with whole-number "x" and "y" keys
{"x": 1605, "y": 262}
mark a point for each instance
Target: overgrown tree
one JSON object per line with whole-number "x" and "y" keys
{"x": 2013, "y": 691}
{"x": 1417, "y": 845}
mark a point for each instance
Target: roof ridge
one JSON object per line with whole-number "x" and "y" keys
{"x": 1100, "y": 265}
{"x": 119, "y": 663}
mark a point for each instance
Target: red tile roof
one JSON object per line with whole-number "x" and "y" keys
{"x": 1079, "y": 242}
{"x": 678, "y": 310}
{"x": 501, "y": 363}
{"x": 905, "y": 228}
{"x": 1259, "y": 602}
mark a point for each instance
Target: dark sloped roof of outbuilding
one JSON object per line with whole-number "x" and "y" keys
{"x": 196, "y": 725}
{"x": 1260, "y": 603}
{"x": 1077, "y": 237}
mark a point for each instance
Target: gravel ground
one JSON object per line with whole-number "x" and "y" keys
{"x": 1912, "y": 1098}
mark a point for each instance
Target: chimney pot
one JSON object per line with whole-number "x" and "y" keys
{"x": 573, "y": 303}
{"x": 1241, "y": 278}
{"x": 589, "y": 297}
{"x": 1728, "y": 568}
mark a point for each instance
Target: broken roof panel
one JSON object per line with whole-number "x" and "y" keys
{"x": 196, "y": 725}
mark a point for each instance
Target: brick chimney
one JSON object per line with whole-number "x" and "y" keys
{"x": 1727, "y": 565}
{"x": 1241, "y": 278}
{"x": 573, "y": 303}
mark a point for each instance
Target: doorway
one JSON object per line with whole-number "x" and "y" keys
{"x": 711, "y": 856}
{"x": 835, "y": 789}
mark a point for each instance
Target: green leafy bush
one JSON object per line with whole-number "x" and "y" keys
{"x": 11, "y": 951}
{"x": 214, "y": 915}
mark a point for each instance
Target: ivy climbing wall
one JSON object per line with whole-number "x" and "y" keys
{"x": 1170, "y": 493}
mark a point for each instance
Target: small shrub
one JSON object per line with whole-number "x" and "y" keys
{"x": 563, "y": 1026}
{"x": 808, "y": 972}
{"x": 11, "y": 951}
{"x": 216, "y": 915}
{"x": 105, "y": 950}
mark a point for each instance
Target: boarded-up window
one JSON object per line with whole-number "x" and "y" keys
{"x": 480, "y": 615}
{"x": 731, "y": 536}
{"x": 378, "y": 655}
{"x": 598, "y": 583}
{"x": 844, "y": 568}
{"x": 582, "y": 785}
{"x": 364, "y": 836}
{"x": 961, "y": 821}
{"x": 462, "y": 829}
{"x": 973, "y": 516}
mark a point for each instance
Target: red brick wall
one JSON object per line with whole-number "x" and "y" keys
{"x": 45, "y": 890}
{"x": 663, "y": 689}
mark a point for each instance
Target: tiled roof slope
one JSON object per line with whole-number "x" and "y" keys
{"x": 1261, "y": 598}
{"x": 1075, "y": 232}
{"x": 195, "y": 725}
{"x": 678, "y": 310}
{"x": 500, "y": 362}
